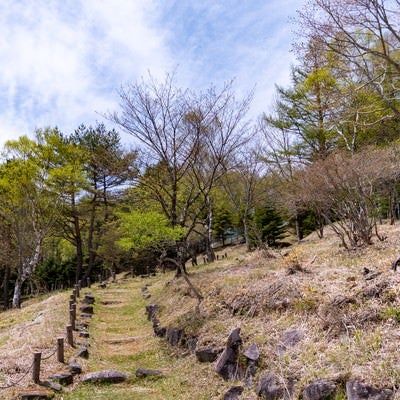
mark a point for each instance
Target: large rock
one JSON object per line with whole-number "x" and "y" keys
{"x": 271, "y": 387}
{"x": 360, "y": 391}
{"x": 233, "y": 393}
{"x": 227, "y": 364}
{"x": 289, "y": 339}
{"x": 320, "y": 390}
{"x": 82, "y": 353}
{"x": 108, "y": 376}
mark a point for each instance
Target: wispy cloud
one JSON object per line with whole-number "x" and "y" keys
{"x": 61, "y": 61}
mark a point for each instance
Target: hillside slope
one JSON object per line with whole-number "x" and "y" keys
{"x": 314, "y": 311}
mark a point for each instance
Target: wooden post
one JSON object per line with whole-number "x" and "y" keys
{"x": 113, "y": 276}
{"x": 60, "y": 349}
{"x": 70, "y": 335}
{"x": 88, "y": 283}
{"x": 76, "y": 290}
{"x": 72, "y": 318}
{"x": 79, "y": 285}
{"x": 37, "y": 357}
{"x": 99, "y": 277}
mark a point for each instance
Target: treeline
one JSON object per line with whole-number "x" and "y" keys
{"x": 74, "y": 205}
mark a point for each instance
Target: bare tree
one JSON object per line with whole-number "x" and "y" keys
{"x": 186, "y": 141}
{"x": 344, "y": 189}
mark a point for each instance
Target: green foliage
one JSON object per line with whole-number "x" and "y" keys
{"x": 223, "y": 220}
{"x": 141, "y": 230}
{"x": 270, "y": 224}
{"x": 52, "y": 272}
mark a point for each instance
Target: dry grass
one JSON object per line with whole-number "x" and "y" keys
{"x": 348, "y": 319}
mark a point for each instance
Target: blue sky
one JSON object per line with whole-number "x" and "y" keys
{"x": 63, "y": 61}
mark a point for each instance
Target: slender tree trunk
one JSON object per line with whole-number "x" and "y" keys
{"x": 209, "y": 250}
{"x": 299, "y": 230}
{"x": 91, "y": 247}
{"x": 246, "y": 233}
{"x": 16, "y": 301}
{"x": 6, "y": 286}
{"x": 78, "y": 241}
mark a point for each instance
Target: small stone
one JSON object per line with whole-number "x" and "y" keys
{"x": 62, "y": 379}
{"x": 160, "y": 332}
{"x": 88, "y": 299}
{"x": 74, "y": 368}
{"x": 320, "y": 390}
{"x": 151, "y": 310}
{"x": 84, "y": 334}
{"x": 252, "y": 353}
{"x": 87, "y": 316}
{"x": 52, "y": 385}
{"x": 36, "y": 396}
{"x": 86, "y": 309}
{"x": 360, "y": 391}
{"x": 207, "y": 354}
{"x": 82, "y": 344}
{"x": 83, "y": 353}
{"x": 233, "y": 393}
{"x": 174, "y": 336}
{"x": 146, "y": 296}
{"x": 271, "y": 387}
{"x": 110, "y": 376}
{"x": 142, "y": 372}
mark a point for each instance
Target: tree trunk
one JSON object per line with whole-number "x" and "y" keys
{"x": 78, "y": 241}
{"x": 16, "y": 301}
{"x": 246, "y": 234}
{"x": 299, "y": 230}
{"x": 6, "y": 286}
{"x": 209, "y": 250}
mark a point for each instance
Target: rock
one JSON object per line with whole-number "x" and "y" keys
{"x": 88, "y": 316}
{"x": 36, "y": 395}
{"x": 146, "y": 296}
{"x": 174, "y": 336}
{"x": 82, "y": 344}
{"x": 88, "y": 299}
{"x": 142, "y": 372}
{"x": 233, "y": 393}
{"x": 160, "y": 332}
{"x": 289, "y": 339}
{"x": 227, "y": 363}
{"x": 144, "y": 289}
{"x": 52, "y": 385}
{"x": 84, "y": 334}
{"x": 207, "y": 354}
{"x": 86, "y": 309}
{"x": 107, "y": 376}
{"x": 359, "y": 391}
{"x": 74, "y": 368}
{"x": 83, "y": 353}
{"x": 252, "y": 353}
{"x": 103, "y": 285}
{"x": 62, "y": 379}
{"x": 191, "y": 343}
{"x": 151, "y": 310}
{"x": 271, "y": 387}
{"x": 320, "y": 390}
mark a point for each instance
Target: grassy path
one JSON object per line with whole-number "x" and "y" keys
{"x": 122, "y": 339}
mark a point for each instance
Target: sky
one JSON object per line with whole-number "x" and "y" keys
{"x": 63, "y": 61}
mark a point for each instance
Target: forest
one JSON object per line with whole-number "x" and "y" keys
{"x": 199, "y": 172}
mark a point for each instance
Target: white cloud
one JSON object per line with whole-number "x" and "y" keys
{"x": 61, "y": 61}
